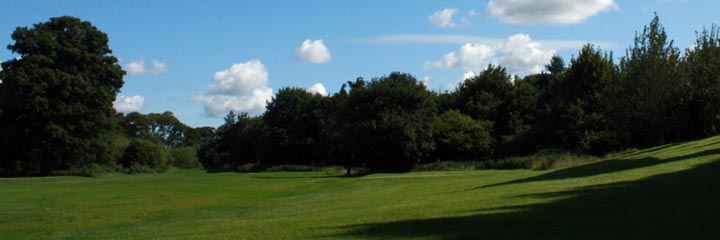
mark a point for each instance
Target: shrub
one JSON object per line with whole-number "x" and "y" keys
{"x": 547, "y": 159}
{"x": 118, "y": 144}
{"x": 292, "y": 168}
{"x": 184, "y": 157}
{"x": 144, "y": 156}
{"x": 449, "y": 166}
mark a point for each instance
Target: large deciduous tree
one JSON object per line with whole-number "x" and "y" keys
{"x": 389, "y": 122}
{"x": 484, "y": 97}
{"x": 56, "y": 97}
{"x": 653, "y": 87}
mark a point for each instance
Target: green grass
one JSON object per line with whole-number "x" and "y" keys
{"x": 667, "y": 192}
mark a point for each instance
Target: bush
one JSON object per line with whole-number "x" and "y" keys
{"x": 460, "y": 137}
{"x": 184, "y": 157}
{"x": 118, "y": 144}
{"x": 547, "y": 159}
{"x": 251, "y": 167}
{"x": 144, "y": 156}
{"x": 449, "y": 166}
{"x": 292, "y": 168}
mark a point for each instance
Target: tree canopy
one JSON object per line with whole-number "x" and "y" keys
{"x": 56, "y": 111}
{"x": 56, "y": 97}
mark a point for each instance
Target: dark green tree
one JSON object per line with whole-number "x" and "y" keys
{"x": 583, "y": 123}
{"x": 144, "y": 156}
{"x": 703, "y": 72}
{"x": 389, "y": 122}
{"x": 484, "y": 96}
{"x": 236, "y": 142}
{"x": 654, "y": 91}
{"x": 459, "y": 137}
{"x": 56, "y": 98}
{"x": 295, "y": 119}
{"x": 161, "y": 128}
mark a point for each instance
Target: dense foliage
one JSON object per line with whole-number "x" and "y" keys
{"x": 56, "y": 111}
{"x": 593, "y": 105}
{"x": 56, "y": 98}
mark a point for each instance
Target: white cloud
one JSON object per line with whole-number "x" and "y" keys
{"x": 443, "y": 18}
{"x": 240, "y": 78}
{"x": 468, "y": 74}
{"x": 522, "y": 55}
{"x": 136, "y": 68}
{"x": 519, "y": 54}
{"x": 473, "y": 13}
{"x": 159, "y": 67}
{"x": 547, "y": 11}
{"x": 314, "y": 51}
{"x": 317, "y": 88}
{"x": 472, "y": 57}
{"x": 219, "y": 105}
{"x": 462, "y": 39}
{"x": 241, "y": 88}
{"x": 127, "y": 104}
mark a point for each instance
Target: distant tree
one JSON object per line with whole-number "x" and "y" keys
{"x": 389, "y": 122}
{"x": 144, "y": 156}
{"x": 703, "y": 72}
{"x": 653, "y": 90}
{"x": 484, "y": 96}
{"x": 295, "y": 119}
{"x": 459, "y": 137}
{"x": 556, "y": 66}
{"x": 236, "y": 142}
{"x": 56, "y": 98}
{"x": 524, "y": 108}
{"x": 583, "y": 119}
{"x": 161, "y": 128}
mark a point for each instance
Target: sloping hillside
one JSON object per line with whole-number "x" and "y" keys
{"x": 667, "y": 192}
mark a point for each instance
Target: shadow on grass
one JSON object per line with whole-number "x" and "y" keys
{"x": 679, "y": 205}
{"x": 604, "y": 167}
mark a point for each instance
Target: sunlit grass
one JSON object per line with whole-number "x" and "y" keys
{"x": 608, "y": 198}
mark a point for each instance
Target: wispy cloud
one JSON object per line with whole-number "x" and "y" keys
{"x": 462, "y": 39}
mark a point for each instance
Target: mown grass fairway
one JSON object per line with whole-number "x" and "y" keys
{"x": 668, "y": 192}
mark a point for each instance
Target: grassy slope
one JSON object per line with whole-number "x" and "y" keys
{"x": 670, "y": 192}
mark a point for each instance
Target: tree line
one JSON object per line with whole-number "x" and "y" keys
{"x": 56, "y": 112}
{"x": 654, "y": 95}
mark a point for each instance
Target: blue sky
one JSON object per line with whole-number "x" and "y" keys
{"x": 200, "y": 59}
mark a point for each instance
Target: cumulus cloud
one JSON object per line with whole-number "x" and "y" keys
{"x": 548, "y": 11}
{"x": 314, "y": 51}
{"x": 317, "y": 88}
{"x": 139, "y": 68}
{"x": 443, "y": 18}
{"x": 519, "y": 54}
{"x": 470, "y": 56}
{"x": 136, "y": 68}
{"x": 127, "y": 104}
{"x": 240, "y": 78}
{"x": 468, "y": 74}
{"x": 219, "y": 105}
{"x": 159, "y": 67}
{"x": 240, "y": 88}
